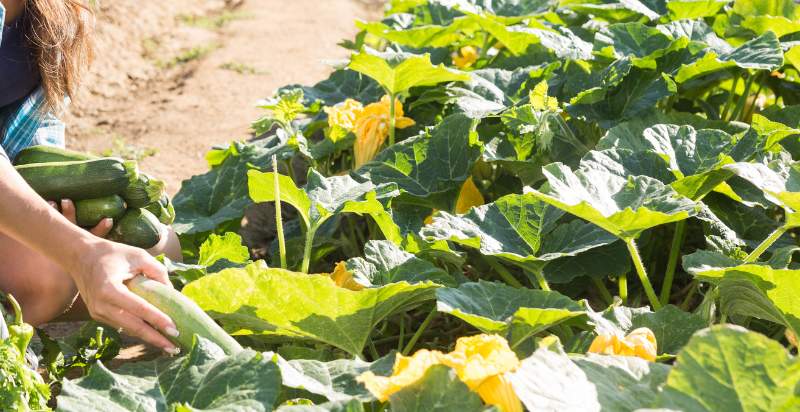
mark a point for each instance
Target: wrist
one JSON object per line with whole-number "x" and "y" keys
{"x": 79, "y": 251}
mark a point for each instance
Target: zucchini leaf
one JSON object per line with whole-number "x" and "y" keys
{"x": 398, "y": 72}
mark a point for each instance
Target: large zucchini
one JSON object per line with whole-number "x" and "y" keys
{"x": 77, "y": 180}
{"x": 138, "y": 228}
{"x": 92, "y": 211}
{"x": 49, "y": 154}
{"x": 189, "y": 319}
{"x": 143, "y": 191}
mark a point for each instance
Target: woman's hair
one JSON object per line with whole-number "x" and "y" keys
{"x": 60, "y": 33}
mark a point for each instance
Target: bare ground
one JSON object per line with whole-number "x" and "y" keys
{"x": 184, "y": 75}
{"x": 174, "y": 78}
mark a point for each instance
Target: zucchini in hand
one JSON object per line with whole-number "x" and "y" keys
{"x": 77, "y": 180}
{"x": 49, "y": 154}
{"x": 92, "y": 211}
{"x": 163, "y": 210}
{"x": 138, "y": 228}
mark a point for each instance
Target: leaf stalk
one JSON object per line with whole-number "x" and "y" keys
{"x": 640, "y": 270}
{"x": 672, "y": 262}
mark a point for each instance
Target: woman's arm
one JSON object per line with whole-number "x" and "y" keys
{"x": 98, "y": 267}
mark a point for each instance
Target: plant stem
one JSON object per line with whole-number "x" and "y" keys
{"x": 772, "y": 238}
{"x": 392, "y": 120}
{"x": 539, "y": 276}
{"x": 622, "y": 283}
{"x": 689, "y": 295}
{"x": 419, "y": 331}
{"x": 372, "y": 350}
{"x": 312, "y": 229}
{"x": 731, "y": 96}
{"x": 750, "y": 110}
{"x": 278, "y": 217}
{"x": 504, "y": 273}
{"x": 672, "y": 263}
{"x": 639, "y": 265}
{"x": 402, "y": 332}
{"x": 743, "y": 100}
{"x": 604, "y": 293}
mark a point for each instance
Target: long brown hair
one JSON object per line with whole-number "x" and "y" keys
{"x": 60, "y": 33}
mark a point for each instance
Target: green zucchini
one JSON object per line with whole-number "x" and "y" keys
{"x": 137, "y": 227}
{"x": 189, "y": 319}
{"x": 92, "y": 211}
{"x": 77, "y": 180}
{"x": 143, "y": 191}
{"x": 49, "y": 154}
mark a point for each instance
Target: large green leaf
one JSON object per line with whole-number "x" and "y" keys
{"x": 623, "y": 207}
{"x": 780, "y": 184}
{"x": 439, "y": 390}
{"x": 421, "y": 35}
{"x": 552, "y": 381}
{"x": 205, "y": 379}
{"x": 399, "y": 72}
{"x": 384, "y": 263}
{"x": 341, "y": 85}
{"x": 219, "y": 196}
{"x": 695, "y": 157}
{"x": 335, "y": 380}
{"x": 505, "y": 310}
{"x": 324, "y": 197}
{"x": 754, "y": 290}
{"x": 518, "y": 228}
{"x": 431, "y": 168}
{"x": 727, "y": 368}
{"x": 276, "y": 302}
{"x": 694, "y": 9}
{"x": 762, "y": 53}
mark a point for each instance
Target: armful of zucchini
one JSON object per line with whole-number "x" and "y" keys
{"x": 188, "y": 317}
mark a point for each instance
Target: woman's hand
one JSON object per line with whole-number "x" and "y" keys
{"x": 68, "y": 210}
{"x": 100, "y": 275}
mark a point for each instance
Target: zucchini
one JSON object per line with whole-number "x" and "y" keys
{"x": 90, "y": 212}
{"x": 77, "y": 180}
{"x": 49, "y": 154}
{"x": 189, "y": 319}
{"x": 138, "y": 228}
{"x": 143, "y": 191}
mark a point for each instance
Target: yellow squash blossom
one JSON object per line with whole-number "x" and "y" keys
{"x": 481, "y": 362}
{"x": 640, "y": 343}
{"x": 465, "y": 57}
{"x": 372, "y": 128}
{"x": 344, "y": 278}
{"x": 342, "y": 118}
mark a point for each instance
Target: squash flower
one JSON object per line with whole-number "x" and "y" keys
{"x": 342, "y": 118}
{"x": 481, "y": 362}
{"x": 468, "y": 197}
{"x": 465, "y": 57}
{"x": 344, "y": 278}
{"x": 640, "y": 343}
{"x": 372, "y": 128}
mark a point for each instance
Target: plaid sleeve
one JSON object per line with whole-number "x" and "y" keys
{"x": 26, "y": 126}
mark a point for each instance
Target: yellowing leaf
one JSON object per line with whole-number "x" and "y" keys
{"x": 540, "y": 99}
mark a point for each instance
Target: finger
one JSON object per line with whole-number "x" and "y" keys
{"x": 103, "y": 228}
{"x": 140, "y": 308}
{"x": 153, "y": 269}
{"x": 53, "y": 204}
{"x": 68, "y": 210}
{"x": 134, "y": 326}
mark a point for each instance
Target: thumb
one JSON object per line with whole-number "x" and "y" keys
{"x": 153, "y": 269}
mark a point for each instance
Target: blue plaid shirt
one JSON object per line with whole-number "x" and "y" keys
{"x": 23, "y": 124}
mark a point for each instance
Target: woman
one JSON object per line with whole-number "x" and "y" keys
{"x": 47, "y": 260}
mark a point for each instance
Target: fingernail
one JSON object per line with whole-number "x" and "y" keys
{"x": 109, "y": 221}
{"x": 172, "y": 351}
{"x": 64, "y": 203}
{"x": 170, "y": 331}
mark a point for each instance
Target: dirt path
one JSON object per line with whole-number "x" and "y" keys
{"x": 200, "y": 68}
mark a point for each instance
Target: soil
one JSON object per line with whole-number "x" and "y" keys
{"x": 171, "y": 79}
{"x": 184, "y": 75}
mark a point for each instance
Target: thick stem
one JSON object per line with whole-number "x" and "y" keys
{"x": 639, "y": 265}
{"x": 731, "y": 97}
{"x": 278, "y": 217}
{"x": 672, "y": 263}
{"x": 603, "y": 290}
{"x": 538, "y": 275}
{"x": 622, "y": 283}
{"x": 504, "y": 273}
{"x": 307, "y": 249}
{"x": 392, "y": 120}
{"x": 419, "y": 331}
{"x": 769, "y": 241}
{"x": 743, "y": 100}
